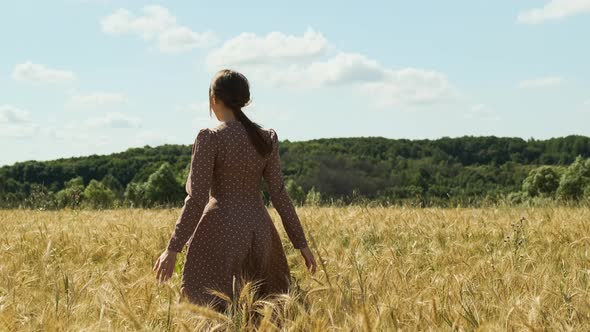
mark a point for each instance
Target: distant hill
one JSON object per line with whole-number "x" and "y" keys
{"x": 466, "y": 167}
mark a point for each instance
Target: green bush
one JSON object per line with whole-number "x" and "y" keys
{"x": 313, "y": 197}
{"x": 71, "y": 195}
{"x": 162, "y": 188}
{"x": 98, "y": 196}
{"x": 41, "y": 198}
{"x": 135, "y": 195}
{"x": 542, "y": 181}
{"x": 295, "y": 192}
{"x": 574, "y": 180}
{"x": 113, "y": 184}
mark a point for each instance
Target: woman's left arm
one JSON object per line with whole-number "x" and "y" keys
{"x": 197, "y": 187}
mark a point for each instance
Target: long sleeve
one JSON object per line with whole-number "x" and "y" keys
{"x": 280, "y": 198}
{"x": 197, "y": 187}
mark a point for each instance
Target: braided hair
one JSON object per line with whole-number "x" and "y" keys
{"x": 233, "y": 89}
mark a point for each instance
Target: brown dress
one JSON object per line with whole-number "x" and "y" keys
{"x": 230, "y": 234}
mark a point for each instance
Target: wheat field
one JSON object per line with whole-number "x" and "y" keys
{"x": 382, "y": 269}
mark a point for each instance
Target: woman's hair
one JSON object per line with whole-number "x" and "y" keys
{"x": 233, "y": 89}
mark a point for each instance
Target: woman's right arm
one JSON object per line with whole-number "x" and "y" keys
{"x": 280, "y": 198}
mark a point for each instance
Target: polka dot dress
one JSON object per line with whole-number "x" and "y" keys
{"x": 229, "y": 231}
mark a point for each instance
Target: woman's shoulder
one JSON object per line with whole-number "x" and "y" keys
{"x": 216, "y": 133}
{"x": 212, "y": 130}
{"x": 206, "y": 135}
{"x": 206, "y": 131}
{"x": 271, "y": 133}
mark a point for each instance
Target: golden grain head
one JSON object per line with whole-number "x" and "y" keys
{"x": 382, "y": 269}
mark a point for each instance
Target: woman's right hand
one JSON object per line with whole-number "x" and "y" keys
{"x": 165, "y": 264}
{"x": 309, "y": 259}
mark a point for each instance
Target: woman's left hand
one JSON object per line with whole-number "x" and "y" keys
{"x": 165, "y": 264}
{"x": 309, "y": 259}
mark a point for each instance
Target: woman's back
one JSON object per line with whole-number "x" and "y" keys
{"x": 238, "y": 170}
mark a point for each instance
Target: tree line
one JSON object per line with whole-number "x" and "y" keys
{"x": 442, "y": 172}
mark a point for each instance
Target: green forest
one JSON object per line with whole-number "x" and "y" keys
{"x": 464, "y": 171}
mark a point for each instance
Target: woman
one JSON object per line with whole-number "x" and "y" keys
{"x": 231, "y": 237}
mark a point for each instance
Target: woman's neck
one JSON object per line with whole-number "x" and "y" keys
{"x": 226, "y": 115}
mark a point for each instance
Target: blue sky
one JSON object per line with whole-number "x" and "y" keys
{"x": 82, "y": 77}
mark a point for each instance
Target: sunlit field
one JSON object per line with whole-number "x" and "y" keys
{"x": 384, "y": 269}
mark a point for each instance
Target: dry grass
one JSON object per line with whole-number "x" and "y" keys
{"x": 385, "y": 269}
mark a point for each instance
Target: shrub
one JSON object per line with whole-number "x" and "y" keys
{"x": 313, "y": 197}
{"x": 71, "y": 195}
{"x": 135, "y": 195}
{"x": 541, "y": 181}
{"x": 162, "y": 188}
{"x": 574, "y": 180}
{"x": 295, "y": 192}
{"x": 98, "y": 196}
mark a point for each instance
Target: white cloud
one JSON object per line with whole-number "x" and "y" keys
{"x": 541, "y": 82}
{"x": 156, "y": 25}
{"x": 179, "y": 39}
{"x": 113, "y": 120}
{"x": 25, "y": 130}
{"x": 97, "y": 99}
{"x": 554, "y": 10}
{"x": 479, "y": 108}
{"x": 274, "y": 48}
{"x": 39, "y": 73}
{"x": 68, "y": 133}
{"x": 95, "y": 1}
{"x": 343, "y": 68}
{"x": 198, "y": 114}
{"x": 587, "y": 102}
{"x": 156, "y": 20}
{"x": 310, "y": 61}
{"x": 195, "y": 108}
{"x": 483, "y": 112}
{"x": 152, "y": 138}
{"x": 265, "y": 114}
{"x": 10, "y": 114}
{"x": 15, "y": 122}
{"x": 347, "y": 67}
{"x": 410, "y": 87}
